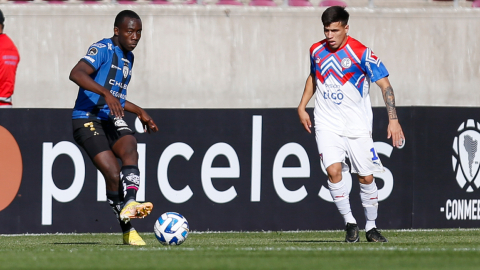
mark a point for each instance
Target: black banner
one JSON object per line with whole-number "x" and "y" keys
{"x": 239, "y": 169}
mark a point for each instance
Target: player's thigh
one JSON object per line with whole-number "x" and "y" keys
{"x": 89, "y": 134}
{"x": 125, "y": 148}
{"x": 363, "y": 156}
{"x": 332, "y": 148}
{"x": 121, "y": 140}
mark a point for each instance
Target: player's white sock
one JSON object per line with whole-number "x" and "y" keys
{"x": 341, "y": 199}
{"x": 369, "y": 196}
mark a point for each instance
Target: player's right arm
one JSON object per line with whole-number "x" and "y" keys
{"x": 307, "y": 95}
{"x": 80, "y": 75}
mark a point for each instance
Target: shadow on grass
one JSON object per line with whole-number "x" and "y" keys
{"x": 78, "y": 243}
{"x": 311, "y": 241}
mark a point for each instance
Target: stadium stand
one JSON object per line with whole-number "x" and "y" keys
{"x": 229, "y": 2}
{"x": 274, "y": 3}
{"x": 329, "y": 3}
{"x": 299, "y": 3}
{"x": 262, "y": 3}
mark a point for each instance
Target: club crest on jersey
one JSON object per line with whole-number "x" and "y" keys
{"x": 317, "y": 60}
{"x": 125, "y": 71}
{"x": 92, "y": 51}
{"x": 346, "y": 62}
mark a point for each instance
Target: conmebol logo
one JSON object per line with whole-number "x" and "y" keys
{"x": 466, "y": 159}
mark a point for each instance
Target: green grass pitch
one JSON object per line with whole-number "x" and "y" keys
{"x": 407, "y": 249}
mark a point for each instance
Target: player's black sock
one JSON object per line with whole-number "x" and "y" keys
{"x": 130, "y": 176}
{"x": 117, "y": 204}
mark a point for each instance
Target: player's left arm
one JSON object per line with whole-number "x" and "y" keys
{"x": 394, "y": 129}
{"x": 147, "y": 121}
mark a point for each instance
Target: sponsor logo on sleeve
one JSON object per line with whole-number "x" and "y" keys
{"x": 89, "y": 58}
{"x": 99, "y": 45}
{"x": 92, "y": 51}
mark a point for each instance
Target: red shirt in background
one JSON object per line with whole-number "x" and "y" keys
{"x": 9, "y": 59}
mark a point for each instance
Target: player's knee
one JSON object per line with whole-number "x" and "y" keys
{"x": 334, "y": 173}
{"x": 366, "y": 180}
{"x": 111, "y": 175}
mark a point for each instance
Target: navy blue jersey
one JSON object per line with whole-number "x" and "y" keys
{"x": 113, "y": 69}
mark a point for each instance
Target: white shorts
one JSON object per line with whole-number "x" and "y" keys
{"x": 334, "y": 148}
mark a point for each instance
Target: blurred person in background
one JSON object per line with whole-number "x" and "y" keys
{"x": 9, "y": 59}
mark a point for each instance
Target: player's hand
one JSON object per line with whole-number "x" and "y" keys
{"x": 395, "y": 132}
{"x": 147, "y": 122}
{"x": 114, "y": 105}
{"x": 305, "y": 119}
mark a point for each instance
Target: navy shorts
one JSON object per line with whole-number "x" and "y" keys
{"x": 96, "y": 136}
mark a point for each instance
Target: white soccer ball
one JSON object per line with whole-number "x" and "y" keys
{"x": 171, "y": 228}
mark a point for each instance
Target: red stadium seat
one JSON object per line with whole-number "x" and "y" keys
{"x": 476, "y": 4}
{"x": 126, "y": 2}
{"x": 55, "y": 1}
{"x": 329, "y": 3}
{"x": 229, "y": 3}
{"x": 160, "y": 2}
{"x": 262, "y": 3}
{"x": 21, "y": 2}
{"x": 299, "y": 3}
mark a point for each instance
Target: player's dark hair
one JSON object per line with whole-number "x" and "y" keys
{"x": 125, "y": 14}
{"x": 2, "y": 18}
{"x": 335, "y": 14}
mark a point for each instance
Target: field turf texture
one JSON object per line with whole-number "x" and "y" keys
{"x": 407, "y": 249}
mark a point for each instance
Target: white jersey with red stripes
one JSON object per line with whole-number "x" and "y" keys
{"x": 342, "y": 79}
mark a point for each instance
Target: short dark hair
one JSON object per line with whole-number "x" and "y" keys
{"x": 2, "y": 18}
{"x": 335, "y": 14}
{"x": 125, "y": 14}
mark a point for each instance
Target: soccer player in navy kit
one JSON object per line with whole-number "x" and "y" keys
{"x": 98, "y": 126}
{"x": 341, "y": 71}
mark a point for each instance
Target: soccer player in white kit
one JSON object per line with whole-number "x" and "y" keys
{"x": 341, "y": 70}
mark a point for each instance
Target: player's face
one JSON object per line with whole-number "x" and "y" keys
{"x": 336, "y": 34}
{"x": 129, "y": 33}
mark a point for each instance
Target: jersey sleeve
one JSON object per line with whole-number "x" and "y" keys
{"x": 373, "y": 66}
{"x": 312, "y": 60}
{"x": 96, "y": 55}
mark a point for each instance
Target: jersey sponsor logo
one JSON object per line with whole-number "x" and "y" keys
{"x": 119, "y": 84}
{"x": 115, "y": 67}
{"x": 92, "y": 51}
{"x": 335, "y": 96}
{"x": 99, "y": 45}
{"x": 346, "y": 62}
{"x": 89, "y": 58}
{"x": 118, "y": 94}
{"x": 466, "y": 159}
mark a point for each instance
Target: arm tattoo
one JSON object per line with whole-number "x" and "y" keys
{"x": 389, "y": 99}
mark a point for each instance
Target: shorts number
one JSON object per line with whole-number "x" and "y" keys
{"x": 375, "y": 157}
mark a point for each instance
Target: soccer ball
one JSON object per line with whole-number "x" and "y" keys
{"x": 171, "y": 228}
